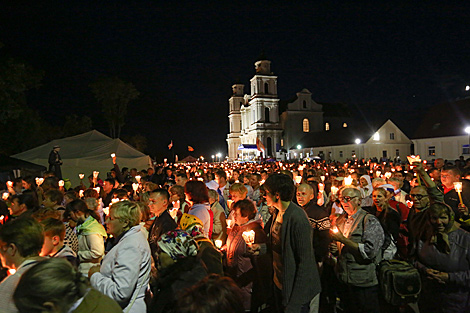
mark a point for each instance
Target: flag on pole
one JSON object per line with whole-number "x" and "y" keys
{"x": 259, "y": 145}
{"x": 190, "y": 148}
{"x": 170, "y": 145}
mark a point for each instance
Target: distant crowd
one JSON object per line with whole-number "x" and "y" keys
{"x": 358, "y": 236}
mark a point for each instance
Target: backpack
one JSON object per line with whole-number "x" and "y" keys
{"x": 399, "y": 282}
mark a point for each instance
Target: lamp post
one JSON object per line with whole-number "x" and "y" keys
{"x": 300, "y": 153}
{"x": 213, "y": 156}
{"x": 218, "y": 156}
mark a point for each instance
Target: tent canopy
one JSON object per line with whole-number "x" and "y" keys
{"x": 86, "y": 153}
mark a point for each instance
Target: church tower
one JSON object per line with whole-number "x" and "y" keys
{"x": 234, "y": 117}
{"x": 260, "y": 117}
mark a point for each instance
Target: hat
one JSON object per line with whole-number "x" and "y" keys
{"x": 387, "y": 187}
{"x": 56, "y": 146}
{"x": 178, "y": 244}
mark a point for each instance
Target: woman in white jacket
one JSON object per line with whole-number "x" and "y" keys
{"x": 124, "y": 272}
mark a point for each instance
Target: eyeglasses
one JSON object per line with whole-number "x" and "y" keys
{"x": 346, "y": 198}
{"x": 418, "y": 197}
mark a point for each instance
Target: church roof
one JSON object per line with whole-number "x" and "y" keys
{"x": 340, "y": 136}
{"x": 445, "y": 119}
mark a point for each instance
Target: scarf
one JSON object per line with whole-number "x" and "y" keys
{"x": 91, "y": 226}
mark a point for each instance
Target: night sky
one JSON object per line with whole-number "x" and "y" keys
{"x": 387, "y": 60}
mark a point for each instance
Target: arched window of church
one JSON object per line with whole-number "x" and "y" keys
{"x": 345, "y": 125}
{"x": 306, "y": 125}
{"x": 327, "y": 126}
{"x": 266, "y": 115}
{"x": 266, "y": 88}
{"x": 304, "y": 104}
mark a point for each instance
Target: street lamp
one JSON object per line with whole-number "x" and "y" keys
{"x": 218, "y": 156}
{"x": 299, "y": 147}
{"x": 357, "y": 141}
{"x": 213, "y": 156}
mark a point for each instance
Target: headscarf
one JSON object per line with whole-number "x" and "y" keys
{"x": 178, "y": 244}
{"x": 367, "y": 189}
{"x": 193, "y": 226}
{"x": 441, "y": 239}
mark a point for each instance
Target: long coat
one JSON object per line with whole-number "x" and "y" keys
{"x": 124, "y": 269}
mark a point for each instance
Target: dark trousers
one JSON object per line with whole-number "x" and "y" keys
{"x": 278, "y": 302}
{"x": 359, "y": 299}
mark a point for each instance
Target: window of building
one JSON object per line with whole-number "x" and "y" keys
{"x": 397, "y": 152}
{"x": 266, "y": 88}
{"x": 282, "y": 142}
{"x": 266, "y": 115}
{"x": 431, "y": 150}
{"x": 327, "y": 126}
{"x": 465, "y": 149}
{"x": 241, "y": 125}
{"x": 345, "y": 125}
{"x": 306, "y": 125}
{"x": 392, "y": 136}
{"x": 304, "y": 104}
{"x": 384, "y": 153}
{"x": 341, "y": 154}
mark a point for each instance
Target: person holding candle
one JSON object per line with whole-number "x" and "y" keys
{"x": 198, "y": 197}
{"x": 244, "y": 269}
{"x": 359, "y": 239}
{"x": 450, "y": 175}
{"x": 444, "y": 261}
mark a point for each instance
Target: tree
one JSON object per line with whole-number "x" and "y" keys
{"x": 75, "y": 125}
{"x": 114, "y": 95}
{"x": 137, "y": 141}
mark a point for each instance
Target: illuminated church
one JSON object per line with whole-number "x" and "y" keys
{"x": 256, "y": 116}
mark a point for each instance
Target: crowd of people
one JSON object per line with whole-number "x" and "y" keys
{"x": 237, "y": 237}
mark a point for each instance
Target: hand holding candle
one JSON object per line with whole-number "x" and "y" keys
{"x": 61, "y": 183}
{"x": 249, "y": 237}
{"x": 95, "y": 174}
{"x": 458, "y": 188}
{"x": 81, "y": 175}
{"x": 138, "y": 178}
{"x": 135, "y": 186}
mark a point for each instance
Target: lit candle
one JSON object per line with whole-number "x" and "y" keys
{"x": 388, "y": 175}
{"x": 138, "y": 178}
{"x": 322, "y": 178}
{"x": 334, "y": 190}
{"x": 9, "y": 184}
{"x": 5, "y": 196}
{"x": 106, "y": 210}
{"x": 11, "y": 271}
{"x": 229, "y": 223}
{"x": 81, "y": 175}
{"x": 95, "y": 174}
{"x": 218, "y": 243}
{"x": 378, "y": 173}
{"x": 80, "y": 193}
{"x": 61, "y": 183}
{"x": 249, "y": 237}
{"x": 348, "y": 181}
{"x": 298, "y": 179}
{"x": 458, "y": 188}
{"x": 335, "y": 229}
{"x": 135, "y": 186}
{"x": 229, "y": 203}
{"x": 97, "y": 189}
{"x": 40, "y": 181}
{"x": 114, "y": 200}
{"x": 113, "y": 155}
{"x": 321, "y": 187}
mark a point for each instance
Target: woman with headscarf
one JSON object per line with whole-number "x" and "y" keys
{"x": 444, "y": 261}
{"x": 366, "y": 190}
{"x": 178, "y": 269}
{"x": 207, "y": 253}
{"x": 125, "y": 270}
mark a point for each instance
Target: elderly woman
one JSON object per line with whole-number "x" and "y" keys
{"x": 240, "y": 266}
{"x": 124, "y": 272}
{"x": 444, "y": 261}
{"x": 178, "y": 269}
{"x": 91, "y": 235}
{"x": 54, "y": 285}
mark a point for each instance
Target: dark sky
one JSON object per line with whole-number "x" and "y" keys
{"x": 392, "y": 60}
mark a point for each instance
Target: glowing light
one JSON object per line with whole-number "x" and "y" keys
{"x": 249, "y": 237}
{"x": 467, "y": 129}
{"x": 218, "y": 243}
{"x": 229, "y": 223}
{"x": 458, "y": 186}
{"x": 376, "y": 136}
{"x": 334, "y": 190}
{"x": 138, "y": 178}
{"x": 299, "y": 147}
{"x": 5, "y": 196}
{"x": 9, "y": 184}
{"x": 322, "y": 178}
{"x": 80, "y": 193}
{"x": 321, "y": 187}
{"x": 113, "y": 155}
{"x": 135, "y": 186}
{"x": 11, "y": 271}
{"x": 357, "y": 141}
{"x": 335, "y": 229}
{"x": 61, "y": 183}
{"x": 95, "y": 174}
{"x": 348, "y": 181}
{"x": 81, "y": 175}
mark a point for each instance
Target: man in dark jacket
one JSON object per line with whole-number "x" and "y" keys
{"x": 55, "y": 162}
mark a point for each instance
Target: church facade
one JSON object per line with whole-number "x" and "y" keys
{"x": 255, "y": 117}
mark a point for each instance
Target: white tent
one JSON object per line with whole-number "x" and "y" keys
{"x": 86, "y": 153}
